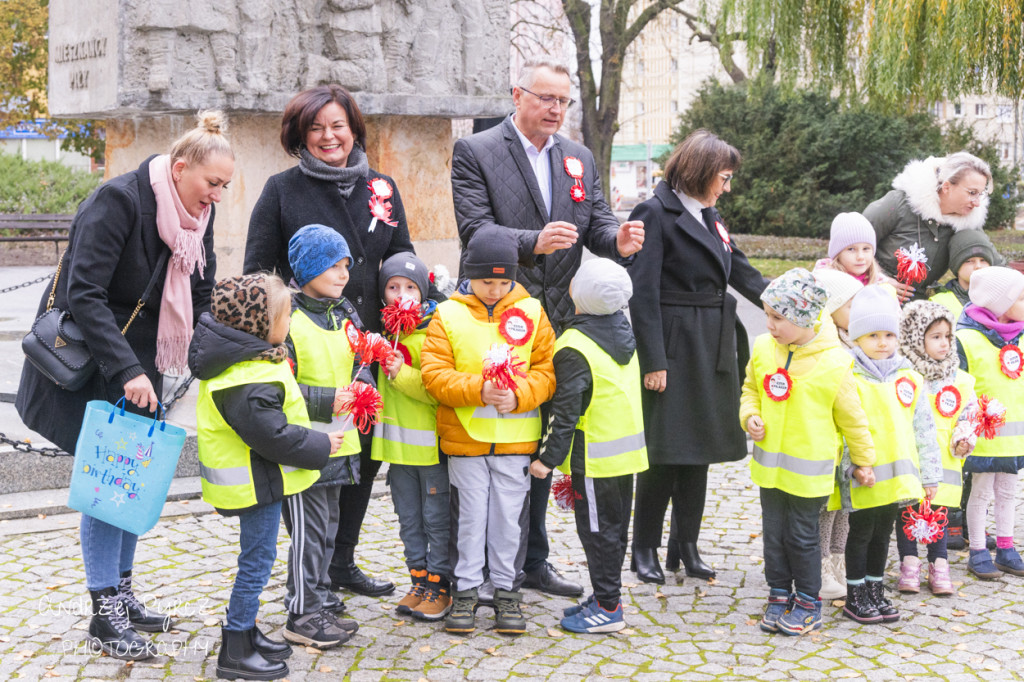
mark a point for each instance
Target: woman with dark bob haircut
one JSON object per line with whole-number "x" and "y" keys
{"x": 331, "y": 186}
{"x": 686, "y": 331}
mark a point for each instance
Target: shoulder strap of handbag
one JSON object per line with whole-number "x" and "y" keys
{"x": 160, "y": 264}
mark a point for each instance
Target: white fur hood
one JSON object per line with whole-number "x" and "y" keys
{"x": 918, "y": 182}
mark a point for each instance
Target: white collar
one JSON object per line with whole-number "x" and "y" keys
{"x": 527, "y": 145}
{"x": 692, "y": 206}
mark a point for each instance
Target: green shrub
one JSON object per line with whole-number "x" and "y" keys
{"x": 42, "y": 186}
{"x": 806, "y": 157}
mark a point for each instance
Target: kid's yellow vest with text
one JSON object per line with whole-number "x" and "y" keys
{"x": 613, "y": 424}
{"x": 951, "y": 486}
{"x": 324, "y": 358}
{"x": 406, "y": 432}
{"x": 224, "y": 460}
{"x": 470, "y": 338}
{"x": 801, "y": 445}
{"x": 983, "y": 364}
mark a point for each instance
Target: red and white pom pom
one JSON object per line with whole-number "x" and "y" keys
{"x": 990, "y": 417}
{"x": 362, "y": 402}
{"x": 924, "y": 525}
{"x": 911, "y": 264}
{"x": 502, "y": 366}
{"x": 371, "y": 347}
{"x": 402, "y": 315}
{"x": 565, "y": 496}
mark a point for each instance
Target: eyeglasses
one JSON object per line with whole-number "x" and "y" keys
{"x": 549, "y": 100}
{"x": 726, "y": 177}
{"x": 974, "y": 194}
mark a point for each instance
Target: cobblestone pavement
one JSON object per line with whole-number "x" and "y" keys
{"x": 685, "y": 630}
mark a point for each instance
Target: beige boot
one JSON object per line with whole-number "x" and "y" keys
{"x": 830, "y": 587}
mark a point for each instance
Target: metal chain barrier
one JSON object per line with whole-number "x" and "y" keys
{"x": 26, "y": 284}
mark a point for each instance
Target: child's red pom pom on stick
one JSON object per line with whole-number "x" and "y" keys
{"x": 565, "y": 496}
{"x": 502, "y": 366}
{"x": 363, "y": 404}
{"x": 401, "y": 316}
{"x": 911, "y": 266}
{"x": 371, "y": 347}
{"x": 924, "y": 525}
{"x": 990, "y": 417}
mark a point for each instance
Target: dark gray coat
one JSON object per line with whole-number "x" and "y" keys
{"x": 685, "y": 323}
{"x": 113, "y": 249}
{"x": 493, "y": 184}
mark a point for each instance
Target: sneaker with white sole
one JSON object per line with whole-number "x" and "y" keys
{"x": 593, "y": 619}
{"x": 318, "y": 629}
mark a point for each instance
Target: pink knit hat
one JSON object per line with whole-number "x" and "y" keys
{"x": 849, "y": 229}
{"x": 996, "y": 288}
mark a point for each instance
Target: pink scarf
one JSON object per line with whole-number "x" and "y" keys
{"x": 985, "y": 317}
{"x": 184, "y": 235}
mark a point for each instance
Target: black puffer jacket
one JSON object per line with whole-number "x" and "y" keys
{"x": 574, "y": 384}
{"x": 494, "y": 184}
{"x": 254, "y": 411}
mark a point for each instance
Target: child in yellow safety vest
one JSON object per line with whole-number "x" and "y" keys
{"x": 489, "y": 431}
{"x": 405, "y": 438}
{"x": 907, "y": 459}
{"x": 989, "y": 338}
{"x": 596, "y": 431}
{"x": 320, "y": 349}
{"x": 969, "y": 250}
{"x": 926, "y": 339}
{"x": 798, "y": 401}
{"x": 255, "y": 448}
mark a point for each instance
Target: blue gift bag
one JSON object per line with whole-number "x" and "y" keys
{"x": 124, "y": 463}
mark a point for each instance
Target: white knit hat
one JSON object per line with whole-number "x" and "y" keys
{"x": 849, "y": 229}
{"x": 601, "y": 287}
{"x": 874, "y": 310}
{"x": 840, "y": 286}
{"x": 996, "y": 288}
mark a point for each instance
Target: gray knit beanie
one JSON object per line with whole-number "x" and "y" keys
{"x": 968, "y": 244}
{"x": 601, "y": 287}
{"x": 874, "y": 310}
{"x": 405, "y": 264}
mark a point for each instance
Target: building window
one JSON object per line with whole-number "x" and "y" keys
{"x": 937, "y": 110}
{"x": 958, "y": 109}
{"x": 674, "y": 23}
{"x": 640, "y": 67}
{"x": 1004, "y": 150}
{"x": 675, "y": 106}
{"x": 1005, "y": 113}
{"x": 640, "y": 107}
{"x": 673, "y": 64}
{"x": 979, "y": 109}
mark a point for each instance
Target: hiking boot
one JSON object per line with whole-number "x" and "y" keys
{"x": 240, "y": 658}
{"x": 830, "y": 587}
{"x": 803, "y": 615}
{"x": 407, "y": 603}
{"x": 461, "y": 615}
{"x": 859, "y": 606}
{"x": 509, "y": 619}
{"x": 910, "y": 575}
{"x": 436, "y": 600}
{"x": 980, "y": 564}
{"x": 594, "y": 619}
{"x": 939, "y": 581}
{"x": 778, "y": 604}
{"x": 347, "y": 624}
{"x": 1009, "y": 561}
{"x": 140, "y": 617}
{"x": 576, "y": 608}
{"x": 111, "y": 631}
{"x": 876, "y": 592}
{"x": 317, "y": 629}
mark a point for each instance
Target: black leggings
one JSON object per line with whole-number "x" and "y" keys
{"x": 867, "y": 547}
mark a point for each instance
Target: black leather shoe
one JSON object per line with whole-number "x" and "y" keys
{"x": 239, "y": 658}
{"x": 645, "y": 565}
{"x": 695, "y": 567}
{"x": 548, "y": 579}
{"x": 344, "y": 573}
{"x": 271, "y": 649}
{"x": 141, "y": 618}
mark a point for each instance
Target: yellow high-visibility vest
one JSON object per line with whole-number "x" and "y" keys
{"x": 951, "y": 486}
{"x": 948, "y": 298}
{"x": 983, "y": 364}
{"x": 406, "y": 432}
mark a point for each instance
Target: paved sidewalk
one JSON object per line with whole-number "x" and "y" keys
{"x": 685, "y": 630}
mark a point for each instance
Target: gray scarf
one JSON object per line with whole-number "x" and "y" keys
{"x": 345, "y": 178}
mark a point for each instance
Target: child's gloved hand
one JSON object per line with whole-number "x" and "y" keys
{"x": 865, "y": 476}
{"x": 337, "y": 438}
{"x": 755, "y": 427}
{"x": 503, "y": 399}
{"x": 394, "y": 364}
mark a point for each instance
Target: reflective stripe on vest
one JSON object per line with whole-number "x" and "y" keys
{"x": 897, "y": 473}
{"x": 801, "y": 444}
{"x": 950, "y": 491}
{"x": 224, "y": 458}
{"x": 406, "y": 432}
{"x": 324, "y": 357}
{"x": 470, "y": 338}
{"x": 613, "y": 424}
{"x": 983, "y": 364}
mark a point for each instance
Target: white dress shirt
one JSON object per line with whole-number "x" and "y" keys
{"x": 693, "y": 207}
{"x": 540, "y": 161}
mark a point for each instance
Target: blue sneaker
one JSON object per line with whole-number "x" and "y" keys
{"x": 1009, "y": 561}
{"x": 803, "y": 615}
{"x": 980, "y": 564}
{"x": 778, "y": 603}
{"x": 576, "y": 608}
{"x": 594, "y": 619}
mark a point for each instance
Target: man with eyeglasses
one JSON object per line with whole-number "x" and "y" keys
{"x": 523, "y": 177}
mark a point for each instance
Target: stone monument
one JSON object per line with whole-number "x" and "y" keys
{"x": 413, "y": 65}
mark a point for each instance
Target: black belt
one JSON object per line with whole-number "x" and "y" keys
{"x": 693, "y": 299}
{"x": 717, "y": 299}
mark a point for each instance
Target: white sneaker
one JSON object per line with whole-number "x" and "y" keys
{"x": 830, "y": 587}
{"x": 839, "y": 568}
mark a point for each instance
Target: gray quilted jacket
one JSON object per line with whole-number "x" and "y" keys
{"x": 493, "y": 184}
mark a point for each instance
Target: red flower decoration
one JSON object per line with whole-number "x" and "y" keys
{"x": 990, "y": 418}
{"x": 577, "y": 192}
{"x": 924, "y": 525}
{"x": 379, "y": 187}
{"x": 381, "y": 210}
{"x": 565, "y": 496}
{"x": 371, "y": 347}
{"x": 573, "y": 167}
{"x": 362, "y": 402}
{"x": 1010, "y": 360}
{"x": 947, "y": 401}
{"x": 401, "y": 316}
{"x": 778, "y": 385}
{"x": 502, "y": 366}
{"x": 905, "y": 391}
{"x": 515, "y": 326}
{"x": 911, "y": 265}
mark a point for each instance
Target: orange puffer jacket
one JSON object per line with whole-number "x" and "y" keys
{"x": 453, "y": 388}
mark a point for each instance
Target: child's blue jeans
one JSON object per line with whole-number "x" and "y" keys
{"x": 107, "y": 552}
{"x": 258, "y": 540}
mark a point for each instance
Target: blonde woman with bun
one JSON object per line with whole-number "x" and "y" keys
{"x": 115, "y": 245}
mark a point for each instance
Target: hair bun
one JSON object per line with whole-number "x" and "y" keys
{"x": 212, "y": 121}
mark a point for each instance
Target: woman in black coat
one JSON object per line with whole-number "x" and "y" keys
{"x": 115, "y": 245}
{"x": 685, "y": 324}
{"x": 333, "y": 185}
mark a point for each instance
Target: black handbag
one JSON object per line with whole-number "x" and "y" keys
{"x": 56, "y": 346}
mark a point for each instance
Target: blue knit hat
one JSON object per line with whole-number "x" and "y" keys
{"x": 313, "y": 250}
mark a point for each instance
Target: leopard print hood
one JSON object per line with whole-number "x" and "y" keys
{"x": 917, "y": 317}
